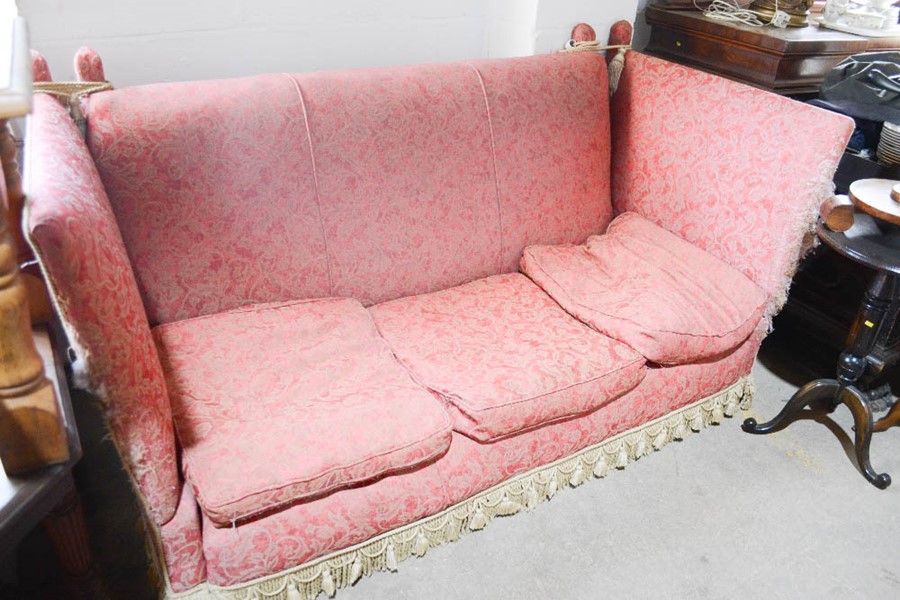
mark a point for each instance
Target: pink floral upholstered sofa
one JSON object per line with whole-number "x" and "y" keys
{"x": 337, "y": 319}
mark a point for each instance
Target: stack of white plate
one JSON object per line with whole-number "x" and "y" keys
{"x": 889, "y": 145}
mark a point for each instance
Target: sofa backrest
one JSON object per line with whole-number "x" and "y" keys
{"x": 373, "y": 184}
{"x": 737, "y": 171}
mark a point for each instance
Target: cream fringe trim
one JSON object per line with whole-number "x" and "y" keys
{"x": 383, "y": 553}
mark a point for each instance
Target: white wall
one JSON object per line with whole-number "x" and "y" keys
{"x": 510, "y": 28}
{"x": 555, "y": 19}
{"x": 169, "y": 40}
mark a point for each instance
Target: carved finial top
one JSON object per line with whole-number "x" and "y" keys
{"x": 584, "y": 33}
{"x": 89, "y": 65}
{"x": 39, "y": 67}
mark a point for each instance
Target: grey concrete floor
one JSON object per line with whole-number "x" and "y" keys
{"x": 721, "y": 515}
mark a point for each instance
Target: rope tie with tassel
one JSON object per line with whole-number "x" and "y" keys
{"x": 70, "y": 94}
{"x": 616, "y": 66}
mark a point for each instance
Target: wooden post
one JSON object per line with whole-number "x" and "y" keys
{"x": 32, "y": 433}
{"x": 38, "y": 296}
{"x": 67, "y": 531}
{"x": 837, "y": 213}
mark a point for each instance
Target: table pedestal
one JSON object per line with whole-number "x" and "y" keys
{"x": 851, "y": 367}
{"x": 876, "y": 246}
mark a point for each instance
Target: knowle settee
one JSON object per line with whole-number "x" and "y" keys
{"x": 336, "y": 319}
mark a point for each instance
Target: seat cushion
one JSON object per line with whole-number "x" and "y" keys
{"x": 504, "y": 356}
{"x": 638, "y": 283}
{"x": 278, "y": 403}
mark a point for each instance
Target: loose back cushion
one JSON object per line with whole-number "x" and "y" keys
{"x": 638, "y": 283}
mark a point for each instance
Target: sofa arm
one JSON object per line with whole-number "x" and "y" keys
{"x": 738, "y": 171}
{"x": 73, "y": 232}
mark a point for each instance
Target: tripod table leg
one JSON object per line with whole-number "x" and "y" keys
{"x": 862, "y": 421}
{"x": 814, "y": 391}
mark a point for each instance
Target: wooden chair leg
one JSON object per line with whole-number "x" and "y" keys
{"x": 66, "y": 529}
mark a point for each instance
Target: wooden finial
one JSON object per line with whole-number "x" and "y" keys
{"x": 837, "y": 212}
{"x": 584, "y": 33}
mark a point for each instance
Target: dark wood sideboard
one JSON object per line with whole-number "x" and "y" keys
{"x": 827, "y": 288}
{"x": 791, "y": 61}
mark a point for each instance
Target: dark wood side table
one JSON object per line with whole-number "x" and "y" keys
{"x": 48, "y": 495}
{"x": 875, "y": 244}
{"x": 791, "y": 61}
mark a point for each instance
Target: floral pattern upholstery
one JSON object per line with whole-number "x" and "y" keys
{"x": 470, "y": 467}
{"x": 403, "y": 149}
{"x": 181, "y": 541}
{"x": 39, "y": 68}
{"x": 279, "y": 403}
{"x": 433, "y": 151}
{"x": 549, "y": 122}
{"x": 640, "y": 284}
{"x": 310, "y": 529}
{"x": 740, "y": 187}
{"x": 89, "y": 65}
{"x": 504, "y": 357}
{"x": 215, "y": 204}
{"x": 200, "y": 199}
{"x": 73, "y": 231}
{"x": 306, "y": 531}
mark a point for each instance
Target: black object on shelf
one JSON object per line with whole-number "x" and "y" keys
{"x": 854, "y": 167}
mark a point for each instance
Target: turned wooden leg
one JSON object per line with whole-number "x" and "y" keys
{"x": 862, "y": 422}
{"x": 66, "y": 529}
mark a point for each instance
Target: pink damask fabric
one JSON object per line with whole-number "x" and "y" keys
{"x": 504, "y": 357}
{"x": 39, "y": 68}
{"x": 279, "y": 403}
{"x": 214, "y": 195}
{"x": 307, "y": 531}
{"x": 420, "y": 169}
{"x": 733, "y": 169}
{"x": 638, "y": 283}
{"x": 311, "y": 529}
{"x": 88, "y": 65}
{"x": 470, "y": 467}
{"x": 550, "y": 124}
{"x": 74, "y": 234}
{"x": 182, "y": 544}
{"x": 387, "y": 183}
{"x": 405, "y": 178}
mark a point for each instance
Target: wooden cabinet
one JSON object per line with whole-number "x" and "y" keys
{"x": 791, "y": 61}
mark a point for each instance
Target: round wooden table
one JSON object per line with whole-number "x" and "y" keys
{"x": 877, "y": 197}
{"x": 874, "y": 243}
